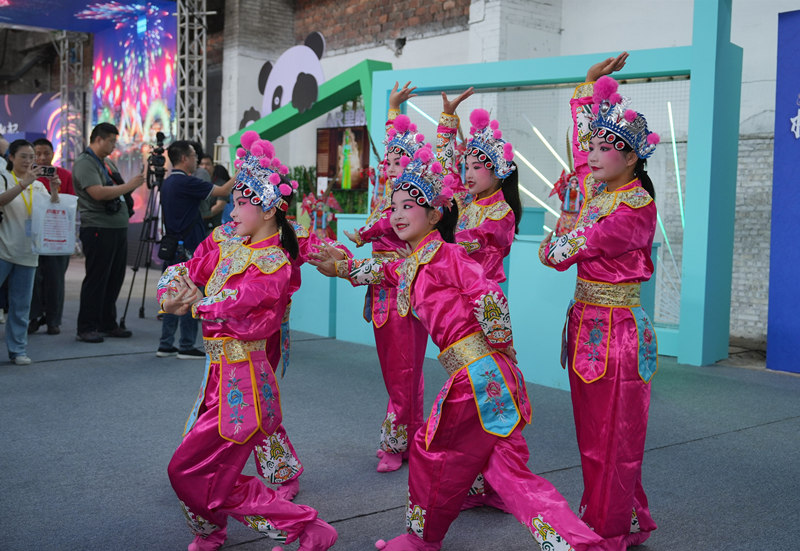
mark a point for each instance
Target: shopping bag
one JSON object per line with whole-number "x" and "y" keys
{"x": 53, "y": 224}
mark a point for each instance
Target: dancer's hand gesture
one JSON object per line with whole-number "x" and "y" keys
{"x": 398, "y": 97}
{"x": 449, "y": 106}
{"x": 606, "y": 67}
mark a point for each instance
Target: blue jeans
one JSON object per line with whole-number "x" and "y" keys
{"x": 20, "y": 288}
{"x": 189, "y": 327}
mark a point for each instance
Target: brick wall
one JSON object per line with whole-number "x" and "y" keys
{"x": 361, "y": 24}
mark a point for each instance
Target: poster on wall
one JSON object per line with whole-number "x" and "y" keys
{"x": 133, "y": 81}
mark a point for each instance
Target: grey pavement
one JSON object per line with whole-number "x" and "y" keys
{"x": 88, "y": 430}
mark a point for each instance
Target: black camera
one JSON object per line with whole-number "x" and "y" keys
{"x": 156, "y": 163}
{"x": 48, "y": 171}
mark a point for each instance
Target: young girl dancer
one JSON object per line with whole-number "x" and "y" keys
{"x": 246, "y": 279}
{"x": 478, "y": 416}
{"x": 610, "y": 345}
{"x": 400, "y": 339}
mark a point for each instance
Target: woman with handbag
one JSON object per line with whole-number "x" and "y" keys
{"x": 17, "y": 260}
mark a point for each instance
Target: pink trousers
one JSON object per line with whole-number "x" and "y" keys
{"x": 440, "y": 476}
{"x": 401, "y": 344}
{"x": 611, "y": 424}
{"x": 206, "y": 474}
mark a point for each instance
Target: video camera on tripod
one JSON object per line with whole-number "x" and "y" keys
{"x": 156, "y": 163}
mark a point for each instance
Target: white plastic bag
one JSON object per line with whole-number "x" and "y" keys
{"x": 53, "y": 224}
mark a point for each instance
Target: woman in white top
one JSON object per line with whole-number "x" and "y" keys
{"x": 18, "y": 262}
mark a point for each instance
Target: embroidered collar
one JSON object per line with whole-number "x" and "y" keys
{"x": 423, "y": 254}
{"x": 604, "y": 203}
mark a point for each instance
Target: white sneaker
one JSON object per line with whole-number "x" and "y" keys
{"x": 22, "y": 360}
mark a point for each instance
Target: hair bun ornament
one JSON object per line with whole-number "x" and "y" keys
{"x": 285, "y": 189}
{"x": 248, "y": 138}
{"x": 295, "y": 185}
{"x": 479, "y": 118}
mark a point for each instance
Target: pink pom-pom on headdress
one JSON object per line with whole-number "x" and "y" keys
{"x": 257, "y": 149}
{"x": 653, "y": 138}
{"x": 423, "y": 154}
{"x": 274, "y": 179}
{"x": 248, "y": 138}
{"x": 630, "y": 115}
{"x": 241, "y": 152}
{"x": 436, "y": 167}
{"x": 497, "y": 134}
{"x": 404, "y": 161}
{"x": 479, "y": 118}
{"x": 391, "y": 133}
{"x": 419, "y": 138}
{"x": 275, "y": 162}
{"x": 508, "y": 151}
{"x": 269, "y": 149}
{"x": 412, "y": 127}
{"x": 494, "y": 125}
{"x": 285, "y": 189}
{"x": 264, "y": 162}
{"x": 615, "y": 98}
{"x": 237, "y": 164}
{"x": 603, "y": 88}
{"x": 295, "y": 185}
{"x": 401, "y": 123}
{"x": 283, "y": 169}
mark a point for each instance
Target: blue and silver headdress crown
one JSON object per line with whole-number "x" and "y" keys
{"x": 488, "y": 145}
{"x": 402, "y": 138}
{"x": 261, "y": 177}
{"x": 618, "y": 125}
{"x": 423, "y": 179}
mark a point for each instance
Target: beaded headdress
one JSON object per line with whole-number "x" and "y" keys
{"x": 402, "y": 138}
{"x": 618, "y": 125}
{"x": 260, "y": 175}
{"x": 423, "y": 180}
{"x": 488, "y": 145}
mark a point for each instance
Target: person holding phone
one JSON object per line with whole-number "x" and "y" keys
{"x": 17, "y": 262}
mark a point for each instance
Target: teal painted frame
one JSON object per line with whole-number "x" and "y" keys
{"x": 715, "y": 67}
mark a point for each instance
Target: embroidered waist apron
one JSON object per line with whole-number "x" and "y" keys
{"x": 380, "y": 298}
{"x": 597, "y": 303}
{"x": 249, "y": 398}
{"x": 498, "y": 410}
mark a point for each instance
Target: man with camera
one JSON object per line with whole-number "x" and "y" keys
{"x": 47, "y": 302}
{"x": 181, "y": 197}
{"x": 104, "y": 234}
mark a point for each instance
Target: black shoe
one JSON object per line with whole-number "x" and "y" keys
{"x": 118, "y": 333}
{"x": 89, "y": 336}
{"x": 53, "y": 330}
{"x": 191, "y": 354}
{"x": 166, "y": 352}
{"x": 34, "y": 325}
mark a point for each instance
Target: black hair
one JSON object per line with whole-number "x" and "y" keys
{"x": 178, "y": 150}
{"x": 198, "y": 149}
{"x": 43, "y": 141}
{"x": 640, "y": 172}
{"x": 220, "y": 173}
{"x": 510, "y": 187}
{"x": 103, "y": 131}
{"x": 15, "y": 146}
{"x": 288, "y": 237}
{"x": 447, "y": 223}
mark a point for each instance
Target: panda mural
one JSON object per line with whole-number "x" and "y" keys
{"x": 295, "y": 78}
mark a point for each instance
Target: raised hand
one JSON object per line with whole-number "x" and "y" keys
{"x": 606, "y": 67}
{"x": 398, "y": 97}
{"x": 449, "y": 106}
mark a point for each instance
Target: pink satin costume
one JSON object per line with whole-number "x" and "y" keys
{"x": 400, "y": 340}
{"x": 609, "y": 343}
{"x": 238, "y": 406}
{"x": 477, "y": 419}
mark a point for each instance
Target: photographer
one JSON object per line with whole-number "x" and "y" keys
{"x": 104, "y": 234}
{"x": 181, "y": 197}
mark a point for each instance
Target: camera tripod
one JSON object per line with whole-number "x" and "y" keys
{"x": 148, "y": 237}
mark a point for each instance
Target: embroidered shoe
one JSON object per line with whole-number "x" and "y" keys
{"x": 212, "y": 542}
{"x": 407, "y": 542}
